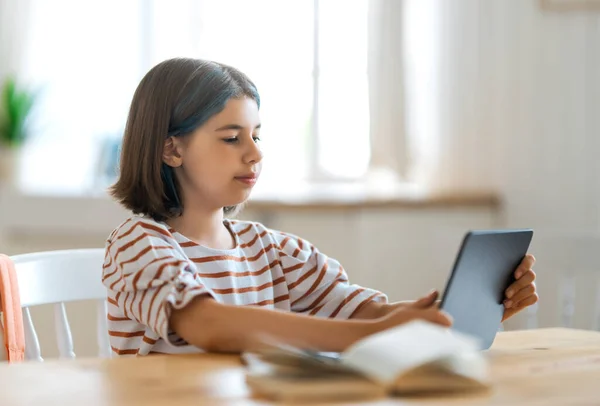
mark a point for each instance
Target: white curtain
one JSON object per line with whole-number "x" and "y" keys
{"x": 448, "y": 100}
{"x": 14, "y": 33}
{"x": 462, "y": 159}
{"x": 389, "y": 149}
{"x": 427, "y": 95}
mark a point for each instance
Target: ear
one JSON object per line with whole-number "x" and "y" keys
{"x": 172, "y": 152}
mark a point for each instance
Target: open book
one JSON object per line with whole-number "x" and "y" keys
{"x": 418, "y": 357}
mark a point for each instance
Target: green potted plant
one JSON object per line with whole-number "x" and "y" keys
{"x": 16, "y": 104}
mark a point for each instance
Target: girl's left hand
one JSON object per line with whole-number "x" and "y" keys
{"x": 522, "y": 293}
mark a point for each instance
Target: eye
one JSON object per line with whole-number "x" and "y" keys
{"x": 231, "y": 140}
{"x": 256, "y": 138}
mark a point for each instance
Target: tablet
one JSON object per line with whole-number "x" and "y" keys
{"x": 483, "y": 270}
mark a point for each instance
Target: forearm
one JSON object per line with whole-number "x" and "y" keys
{"x": 224, "y": 328}
{"x": 376, "y": 310}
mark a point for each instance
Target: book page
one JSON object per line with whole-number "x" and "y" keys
{"x": 387, "y": 355}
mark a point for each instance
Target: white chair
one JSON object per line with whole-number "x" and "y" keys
{"x": 58, "y": 277}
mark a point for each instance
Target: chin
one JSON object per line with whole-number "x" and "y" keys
{"x": 237, "y": 200}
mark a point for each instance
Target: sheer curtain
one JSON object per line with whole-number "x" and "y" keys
{"x": 84, "y": 59}
{"x": 390, "y": 150}
{"x": 343, "y": 89}
{"x": 467, "y": 149}
{"x": 427, "y": 103}
{"x": 450, "y": 96}
{"x": 14, "y": 33}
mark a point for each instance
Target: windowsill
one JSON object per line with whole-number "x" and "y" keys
{"x": 313, "y": 196}
{"x": 46, "y": 213}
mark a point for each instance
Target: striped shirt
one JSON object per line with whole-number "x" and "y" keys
{"x": 149, "y": 269}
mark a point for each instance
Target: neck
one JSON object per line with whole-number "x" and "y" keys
{"x": 204, "y": 227}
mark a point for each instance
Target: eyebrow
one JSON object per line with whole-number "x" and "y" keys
{"x": 234, "y": 127}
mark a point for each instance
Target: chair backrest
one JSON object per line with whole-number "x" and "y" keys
{"x": 58, "y": 277}
{"x": 568, "y": 268}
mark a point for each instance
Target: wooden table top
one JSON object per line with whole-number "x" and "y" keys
{"x": 534, "y": 367}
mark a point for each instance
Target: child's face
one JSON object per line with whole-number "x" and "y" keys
{"x": 219, "y": 163}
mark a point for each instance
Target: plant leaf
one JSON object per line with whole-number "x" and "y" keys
{"x": 16, "y": 106}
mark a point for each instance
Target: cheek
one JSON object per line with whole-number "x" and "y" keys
{"x": 206, "y": 168}
{"x": 202, "y": 169}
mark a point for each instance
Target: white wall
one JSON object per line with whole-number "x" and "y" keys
{"x": 546, "y": 99}
{"x": 518, "y": 94}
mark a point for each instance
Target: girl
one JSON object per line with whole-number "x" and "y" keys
{"x": 182, "y": 278}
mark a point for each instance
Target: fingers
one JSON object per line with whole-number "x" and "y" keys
{"x": 520, "y": 295}
{"x": 426, "y": 301}
{"x": 435, "y": 316}
{"x": 426, "y": 309}
{"x": 526, "y": 279}
{"x": 407, "y": 314}
{"x": 530, "y": 300}
{"x": 525, "y": 266}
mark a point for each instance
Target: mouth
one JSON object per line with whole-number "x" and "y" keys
{"x": 249, "y": 179}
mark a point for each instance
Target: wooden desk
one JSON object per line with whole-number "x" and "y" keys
{"x": 535, "y": 367}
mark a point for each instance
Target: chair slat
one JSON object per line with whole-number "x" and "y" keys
{"x": 63, "y": 332}
{"x": 32, "y": 344}
{"x": 104, "y": 349}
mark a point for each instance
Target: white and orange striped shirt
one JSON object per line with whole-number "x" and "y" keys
{"x": 150, "y": 268}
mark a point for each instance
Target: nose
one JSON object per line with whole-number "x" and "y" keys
{"x": 253, "y": 153}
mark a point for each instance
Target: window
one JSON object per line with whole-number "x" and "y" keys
{"x": 307, "y": 58}
{"x": 84, "y": 60}
{"x": 342, "y": 87}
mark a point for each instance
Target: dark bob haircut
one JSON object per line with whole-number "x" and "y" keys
{"x": 174, "y": 98}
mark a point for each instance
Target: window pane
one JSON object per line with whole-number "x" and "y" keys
{"x": 421, "y": 43}
{"x": 84, "y": 58}
{"x": 343, "y": 124}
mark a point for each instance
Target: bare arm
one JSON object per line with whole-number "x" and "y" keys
{"x": 217, "y": 327}
{"x": 227, "y": 328}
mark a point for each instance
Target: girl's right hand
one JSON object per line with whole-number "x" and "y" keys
{"x": 419, "y": 310}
